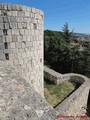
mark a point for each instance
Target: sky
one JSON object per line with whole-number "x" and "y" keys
{"x": 57, "y": 12}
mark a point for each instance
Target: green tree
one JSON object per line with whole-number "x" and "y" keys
{"x": 67, "y": 37}
{"x": 57, "y": 50}
{"x": 63, "y": 58}
{"x": 66, "y": 34}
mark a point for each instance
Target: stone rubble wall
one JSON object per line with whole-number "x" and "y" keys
{"x": 21, "y": 41}
{"x": 76, "y": 103}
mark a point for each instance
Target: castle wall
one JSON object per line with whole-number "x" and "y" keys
{"x": 76, "y": 103}
{"x": 21, "y": 41}
{"x": 58, "y": 78}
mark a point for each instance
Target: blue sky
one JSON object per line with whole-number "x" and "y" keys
{"x": 58, "y": 12}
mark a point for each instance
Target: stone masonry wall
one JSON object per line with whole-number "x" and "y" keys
{"x": 21, "y": 41}
{"x": 76, "y": 103}
{"x": 58, "y": 78}
{"x": 52, "y": 75}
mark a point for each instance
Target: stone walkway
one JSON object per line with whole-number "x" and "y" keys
{"x": 18, "y": 100}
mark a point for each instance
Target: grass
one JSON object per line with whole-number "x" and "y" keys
{"x": 54, "y": 94}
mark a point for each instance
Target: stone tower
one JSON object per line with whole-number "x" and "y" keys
{"x": 21, "y": 41}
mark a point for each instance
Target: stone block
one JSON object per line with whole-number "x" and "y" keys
{"x": 1, "y": 32}
{"x": 6, "y": 25}
{"x": 36, "y": 16}
{"x": 1, "y": 39}
{"x": 13, "y": 25}
{"x": 24, "y": 8}
{"x": 20, "y": 13}
{"x": 26, "y": 20}
{"x": 26, "y": 32}
{"x": 14, "y": 38}
{"x": 1, "y": 19}
{"x": 15, "y": 50}
{"x": 20, "y": 61}
{"x": 24, "y": 25}
{"x": 28, "y": 9}
{"x": 1, "y": 52}
{"x": 9, "y": 32}
{"x": 12, "y": 45}
{"x": 33, "y": 20}
{"x": 9, "y": 7}
{"x": 1, "y": 46}
{"x": 33, "y": 10}
{"x": 27, "y": 54}
{"x": 18, "y": 44}
{"x": 0, "y": 6}
{"x": 27, "y": 14}
{"x": 28, "y": 38}
{"x": 2, "y": 56}
{"x": 19, "y": 19}
{"x": 29, "y": 44}
{"x": 6, "y": 19}
{"x": 13, "y": 19}
{"x": 24, "y": 38}
{"x": 37, "y": 10}
{"x": 24, "y": 55}
{"x": 19, "y": 25}
{"x": 13, "y": 7}
{"x": 21, "y": 50}
{"x": 32, "y": 15}
{"x": 5, "y": 7}
{"x": 41, "y": 12}
{"x": 7, "y": 51}
{"x": 15, "y": 32}
{"x": 28, "y": 26}
{"x": 8, "y": 39}
{"x": 19, "y": 38}
{"x": 14, "y": 13}
{"x": 23, "y": 44}
{"x": 15, "y": 61}
{"x": 21, "y": 31}
{"x": 9, "y": 13}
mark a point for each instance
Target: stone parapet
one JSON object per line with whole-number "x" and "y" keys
{"x": 76, "y": 103}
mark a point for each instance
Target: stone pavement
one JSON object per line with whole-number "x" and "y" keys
{"x": 18, "y": 100}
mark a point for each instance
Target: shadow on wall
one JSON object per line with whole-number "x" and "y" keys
{"x": 88, "y": 105}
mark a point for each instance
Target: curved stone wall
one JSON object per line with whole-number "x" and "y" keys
{"x": 21, "y": 41}
{"x": 58, "y": 78}
{"x": 76, "y": 103}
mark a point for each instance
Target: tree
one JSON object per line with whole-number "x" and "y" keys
{"x": 66, "y": 34}
{"x": 67, "y": 37}
{"x": 57, "y": 50}
{"x": 63, "y": 58}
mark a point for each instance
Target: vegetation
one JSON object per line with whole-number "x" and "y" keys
{"x": 63, "y": 54}
{"x": 56, "y": 93}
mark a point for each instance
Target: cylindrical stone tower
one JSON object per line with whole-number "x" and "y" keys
{"x": 21, "y": 41}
